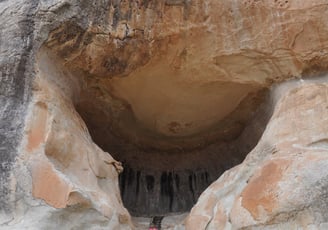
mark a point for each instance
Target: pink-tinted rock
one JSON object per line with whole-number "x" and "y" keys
{"x": 280, "y": 182}
{"x": 168, "y": 86}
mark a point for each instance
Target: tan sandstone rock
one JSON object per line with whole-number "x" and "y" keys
{"x": 172, "y": 64}
{"x": 180, "y": 90}
{"x": 67, "y": 169}
{"x": 280, "y": 184}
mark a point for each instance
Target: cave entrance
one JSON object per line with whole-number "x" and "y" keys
{"x": 165, "y": 175}
{"x": 170, "y": 150}
{"x": 174, "y": 133}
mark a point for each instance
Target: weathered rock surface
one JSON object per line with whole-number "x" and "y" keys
{"x": 191, "y": 56}
{"x": 173, "y": 88}
{"x": 282, "y": 182}
{"x": 60, "y": 168}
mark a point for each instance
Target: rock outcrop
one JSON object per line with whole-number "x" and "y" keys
{"x": 282, "y": 182}
{"x": 179, "y": 92}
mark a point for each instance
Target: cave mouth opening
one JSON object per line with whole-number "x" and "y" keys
{"x": 165, "y": 170}
{"x": 165, "y": 175}
{"x": 174, "y": 135}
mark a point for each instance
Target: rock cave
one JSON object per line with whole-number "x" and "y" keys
{"x": 174, "y": 138}
{"x": 202, "y": 114}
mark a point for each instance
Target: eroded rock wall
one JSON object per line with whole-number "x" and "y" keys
{"x": 52, "y": 174}
{"x": 161, "y": 75}
{"x": 16, "y": 59}
{"x": 282, "y": 182}
{"x": 60, "y": 174}
{"x": 166, "y": 70}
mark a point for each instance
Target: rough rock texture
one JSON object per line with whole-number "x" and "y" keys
{"x": 282, "y": 184}
{"x": 171, "y": 95}
{"x": 61, "y": 175}
{"x": 16, "y": 42}
{"x": 52, "y": 174}
{"x": 168, "y": 87}
{"x": 191, "y": 56}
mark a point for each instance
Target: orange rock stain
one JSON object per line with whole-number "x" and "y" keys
{"x": 48, "y": 186}
{"x": 262, "y": 188}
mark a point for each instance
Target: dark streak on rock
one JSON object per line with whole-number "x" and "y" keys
{"x": 15, "y": 92}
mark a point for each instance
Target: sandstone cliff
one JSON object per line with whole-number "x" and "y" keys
{"x": 174, "y": 93}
